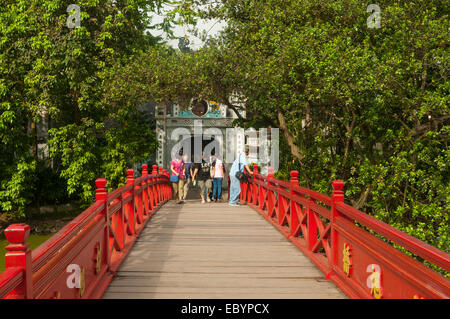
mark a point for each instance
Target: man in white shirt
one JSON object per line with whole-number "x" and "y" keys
{"x": 238, "y": 166}
{"x": 218, "y": 173}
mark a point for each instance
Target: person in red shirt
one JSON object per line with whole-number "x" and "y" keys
{"x": 177, "y": 169}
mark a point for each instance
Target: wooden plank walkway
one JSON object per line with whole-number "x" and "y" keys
{"x": 215, "y": 251}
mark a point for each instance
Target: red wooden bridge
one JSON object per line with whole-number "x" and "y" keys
{"x": 332, "y": 247}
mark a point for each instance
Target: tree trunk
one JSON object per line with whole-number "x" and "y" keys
{"x": 295, "y": 151}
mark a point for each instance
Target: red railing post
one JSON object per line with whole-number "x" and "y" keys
{"x": 336, "y": 197}
{"x": 130, "y": 204}
{"x": 293, "y": 217}
{"x": 166, "y": 191}
{"x": 262, "y": 191}
{"x": 254, "y": 188}
{"x": 155, "y": 186}
{"x": 144, "y": 170}
{"x": 19, "y": 255}
{"x": 138, "y": 206}
{"x": 169, "y": 186}
{"x": 270, "y": 195}
{"x": 145, "y": 197}
{"x": 101, "y": 194}
{"x": 161, "y": 187}
{"x": 312, "y": 225}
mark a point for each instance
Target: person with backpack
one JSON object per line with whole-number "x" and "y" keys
{"x": 202, "y": 173}
{"x": 237, "y": 174}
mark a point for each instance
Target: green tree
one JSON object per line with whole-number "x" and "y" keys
{"x": 48, "y": 69}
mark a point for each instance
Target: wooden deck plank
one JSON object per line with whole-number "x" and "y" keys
{"x": 213, "y": 250}
{"x": 221, "y": 295}
{"x": 185, "y": 268}
{"x": 226, "y": 290}
{"x": 201, "y": 281}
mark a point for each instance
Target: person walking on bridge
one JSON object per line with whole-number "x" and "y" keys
{"x": 202, "y": 171}
{"x": 187, "y": 174}
{"x": 218, "y": 173}
{"x": 239, "y": 164}
{"x": 177, "y": 176}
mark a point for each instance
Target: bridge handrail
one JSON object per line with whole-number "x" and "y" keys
{"x": 51, "y": 246}
{"x": 316, "y": 222}
{"x": 42, "y": 273}
{"x": 298, "y": 189}
{"x": 414, "y": 245}
{"x": 10, "y": 279}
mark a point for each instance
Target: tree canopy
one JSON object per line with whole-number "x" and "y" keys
{"x": 49, "y": 70}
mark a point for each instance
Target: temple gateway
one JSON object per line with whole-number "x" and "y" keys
{"x": 205, "y": 123}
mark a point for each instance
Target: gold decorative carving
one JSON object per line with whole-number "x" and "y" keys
{"x": 98, "y": 258}
{"x": 347, "y": 259}
{"x": 82, "y": 282}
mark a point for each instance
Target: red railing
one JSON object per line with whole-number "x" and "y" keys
{"x": 80, "y": 260}
{"x": 325, "y": 229}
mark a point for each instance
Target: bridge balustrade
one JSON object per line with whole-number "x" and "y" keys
{"x": 346, "y": 243}
{"x": 80, "y": 260}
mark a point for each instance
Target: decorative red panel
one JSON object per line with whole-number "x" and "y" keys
{"x": 79, "y": 261}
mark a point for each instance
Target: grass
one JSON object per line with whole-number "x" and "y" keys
{"x": 35, "y": 240}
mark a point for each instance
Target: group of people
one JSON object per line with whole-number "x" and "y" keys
{"x": 209, "y": 175}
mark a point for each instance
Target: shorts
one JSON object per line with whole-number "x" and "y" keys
{"x": 205, "y": 184}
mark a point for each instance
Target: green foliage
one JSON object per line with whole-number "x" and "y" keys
{"x": 76, "y": 146}
{"x": 18, "y": 190}
{"x": 48, "y": 69}
{"x": 51, "y": 188}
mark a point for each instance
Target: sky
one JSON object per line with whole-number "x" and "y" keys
{"x": 210, "y": 26}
